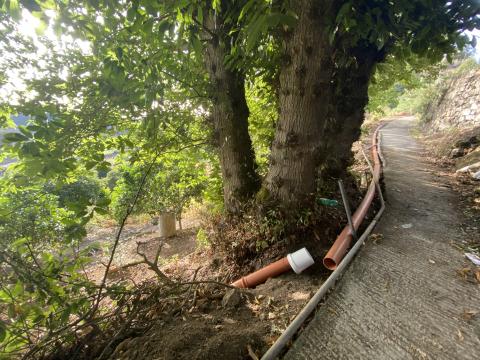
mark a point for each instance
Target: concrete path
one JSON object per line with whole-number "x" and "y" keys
{"x": 402, "y": 298}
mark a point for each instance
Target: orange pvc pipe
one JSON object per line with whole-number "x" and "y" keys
{"x": 262, "y": 275}
{"x": 343, "y": 241}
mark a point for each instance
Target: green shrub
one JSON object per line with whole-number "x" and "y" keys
{"x": 42, "y": 286}
{"x": 83, "y": 192}
{"x": 173, "y": 182}
{"x": 202, "y": 239}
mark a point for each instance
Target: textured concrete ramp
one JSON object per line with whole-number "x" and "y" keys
{"x": 401, "y": 298}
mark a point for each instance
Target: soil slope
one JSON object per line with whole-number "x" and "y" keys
{"x": 402, "y": 297}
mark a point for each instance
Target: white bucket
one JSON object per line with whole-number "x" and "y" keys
{"x": 300, "y": 260}
{"x": 166, "y": 225}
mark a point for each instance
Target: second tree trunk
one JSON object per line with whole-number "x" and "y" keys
{"x": 230, "y": 117}
{"x": 304, "y": 101}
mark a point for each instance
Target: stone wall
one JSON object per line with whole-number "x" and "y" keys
{"x": 457, "y": 103}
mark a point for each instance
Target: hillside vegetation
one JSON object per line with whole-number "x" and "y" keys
{"x": 233, "y": 119}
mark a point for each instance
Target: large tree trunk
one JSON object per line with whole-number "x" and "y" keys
{"x": 350, "y": 87}
{"x": 230, "y": 117}
{"x": 304, "y": 100}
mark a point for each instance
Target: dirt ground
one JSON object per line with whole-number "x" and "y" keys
{"x": 143, "y": 232}
{"x": 209, "y": 329}
{"x": 243, "y": 329}
{"x": 410, "y": 293}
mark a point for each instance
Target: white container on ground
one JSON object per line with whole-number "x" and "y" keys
{"x": 166, "y": 225}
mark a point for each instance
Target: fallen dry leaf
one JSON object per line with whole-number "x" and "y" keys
{"x": 469, "y": 314}
{"x": 332, "y": 311}
{"x": 299, "y": 295}
{"x": 469, "y": 274}
{"x": 229, "y": 321}
{"x": 460, "y": 335}
{"x": 376, "y": 238}
{"x": 463, "y": 272}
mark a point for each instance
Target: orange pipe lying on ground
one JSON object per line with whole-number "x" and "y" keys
{"x": 260, "y": 276}
{"x": 343, "y": 241}
{"x": 297, "y": 261}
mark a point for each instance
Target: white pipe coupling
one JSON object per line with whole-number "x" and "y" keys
{"x": 300, "y": 260}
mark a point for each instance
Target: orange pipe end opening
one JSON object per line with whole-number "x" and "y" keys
{"x": 329, "y": 263}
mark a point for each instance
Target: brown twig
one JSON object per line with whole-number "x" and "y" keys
{"x": 119, "y": 332}
{"x": 187, "y": 297}
{"x": 153, "y": 265}
{"x": 206, "y": 282}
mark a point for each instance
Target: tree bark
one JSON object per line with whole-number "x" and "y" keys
{"x": 349, "y": 112}
{"x": 350, "y": 87}
{"x": 230, "y": 117}
{"x": 304, "y": 100}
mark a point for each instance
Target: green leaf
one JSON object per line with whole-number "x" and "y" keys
{"x": 90, "y": 164}
{"x": 216, "y": 5}
{"x": 343, "y": 11}
{"x": 200, "y": 15}
{"x": 197, "y": 46}
{"x": 31, "y": 148}
{"x": 13, "y": 9}
{"x": 19, "y": 242}
{"x": 163, "y": 26}
{"x": 3, "y": 331}
{"x": 265, "y": 22}
{"x": 18, "y": 289}
{"x": 147, "y": 26}
{"x": 100, "y": 210}
{"x": 119, "y": 53}
{"x": 14, "y": 137}
{"x": 132, "y": 13}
